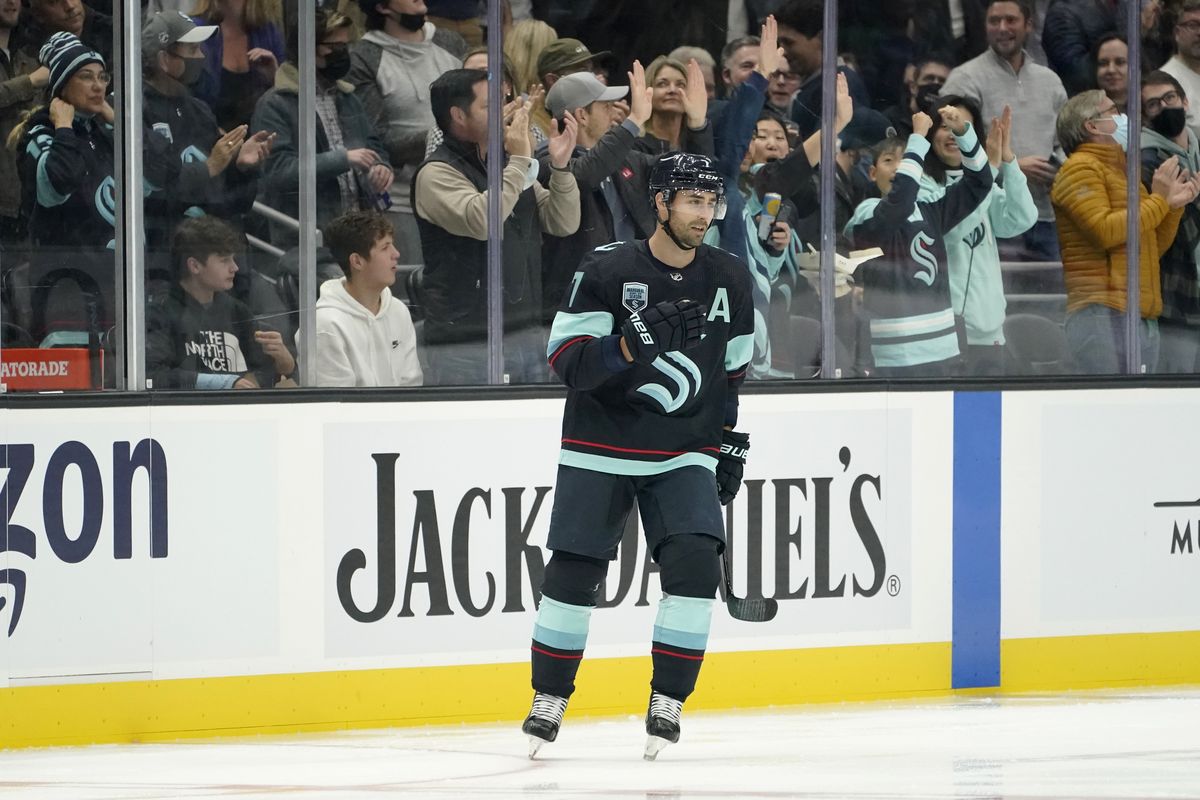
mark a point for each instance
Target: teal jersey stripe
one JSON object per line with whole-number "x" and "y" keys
{"x": 47, "y": 195}
{"x": 630, "y": 466}
{"x": 739, "y": 351}
{"x": 912, "y": 326}
{"x": 567, "y": 326}
{"x": 560, "y": 640}
{"x": 910, "y": 354}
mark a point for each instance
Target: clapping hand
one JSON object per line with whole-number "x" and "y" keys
{"x": 640, "y": 96}
{"x": 770, "y": 54}
{"x": 561, "y": 144}
{"x": 695, "y": 97}
{"x": 255, "y": 151}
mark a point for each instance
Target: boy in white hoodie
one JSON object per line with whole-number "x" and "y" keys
{"x": 365, "y": 336}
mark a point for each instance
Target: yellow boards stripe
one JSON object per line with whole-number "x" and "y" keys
{"x": 256, "y": 704}
{"x": 1082, "y": 662}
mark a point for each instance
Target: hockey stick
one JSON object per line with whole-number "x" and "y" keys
{"x": 744, "y": 608}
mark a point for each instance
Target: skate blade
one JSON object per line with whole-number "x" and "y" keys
{"x": 654, "y": 746}
{"x": 535, "y": 744}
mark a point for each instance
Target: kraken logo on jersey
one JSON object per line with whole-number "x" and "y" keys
{"x": 635, "y": 296}
{"x": 919, "y": 250}
{"x": 678, "y": 368}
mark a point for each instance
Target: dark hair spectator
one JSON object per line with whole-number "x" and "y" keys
{"x": 929, "y": 75}
{"x": 352, "y": 170}
{"x": 1074, "y": 29}
{"x": 47, "y": 17}
{"x": 450, "y": 199}
{"x": 1090, "y": 201}
{"x": 1005, "y": 75}
{"x": 1185, "y": 64}
{"x": 365, "y": 336}
{"x": 1165, "y": 135}
{"x": 198, "y": 336}
{"x": 233, "y": 81}
{"x": 1110, "y": 56}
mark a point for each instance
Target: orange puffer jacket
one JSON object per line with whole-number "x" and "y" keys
{"x": 1089, "y": 203}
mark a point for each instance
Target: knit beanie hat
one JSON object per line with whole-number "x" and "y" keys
{"x": 65, "y": 55}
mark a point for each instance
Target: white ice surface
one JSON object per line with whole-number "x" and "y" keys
{"x": 1083, "y": 745}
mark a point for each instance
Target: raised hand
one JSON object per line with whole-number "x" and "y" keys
{"x": 62, "y": 113}
{"x": 770, "y": 54}
{"x": 255, "y": 151}
{"x": 955, "y": 120}
{"x": 226, "y": 150}
{"x": 1164, "y": 178}
{"x": 845, "y": 103}
{"x": 922, "y": 123}
{"x": 1006, "y": 151}
{"x": 561, "y": 144}
{"x": 263, "y": 60}
{"x": 695, "y": 97}
{"x": 640, "y": 96}
{"x": 994, "y": 145}
{"x": 516, "y": 134}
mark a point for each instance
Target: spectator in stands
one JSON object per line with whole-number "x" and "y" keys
{"x": 1185, "y": 64}
{"x": 1089, "y": 198}
{"x": 392, "y": 67}
{"x": 906, "y": 291}
{"x": 772, "y": 258}
{"x": 1005, "y": 75}
{"x": 1072, "y": 32}
{"x": 1111, "y": 57}
{"x": 739, "y": 58}
{"x": 365, "y": 336}
{"x": 218, "y": 171}
{"x": 1166, "y": 135}
{"x": 65, "y": 158}
{"x": 559, "y": 58}
{"x": 781, "y": 91}
{"x": 458, "y": 16}
{"x": 680, "y": 100}
{"x": 240, "y": 59}
{"x": 450, "y": 198}
{"x": 21, "y": 79}
{"x": 352, "y": 170}
{"x": 708, "y": 67}
{"x": 198, "y": 335}
{"x": 929, "y": 76}
{"x": 976, "y": 283}
{"x": 800, "y": 25}
{"x": 476, "y": 58}
{"x": 47, "y": 17}
{"x": 612, "y": 175}
{"x": 522, "y": 48}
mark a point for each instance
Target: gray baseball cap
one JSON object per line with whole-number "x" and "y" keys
{"x": 165, "y": 28}
{"x": 578, "y": 90}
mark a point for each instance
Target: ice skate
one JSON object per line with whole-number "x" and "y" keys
{"x": 541, "y": 725}
{"x": 662, "y": 724}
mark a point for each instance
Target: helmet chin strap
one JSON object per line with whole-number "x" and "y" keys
{"x": 666, "y": 226}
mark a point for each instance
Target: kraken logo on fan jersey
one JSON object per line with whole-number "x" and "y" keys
{"x": 678, "y": 368}
{"x": 919, "y": 250}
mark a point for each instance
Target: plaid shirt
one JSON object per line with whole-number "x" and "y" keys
{"x": 328, "y": 114}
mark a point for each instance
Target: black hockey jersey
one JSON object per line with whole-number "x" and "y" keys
{"x": 646, "y": 419}
{"x": 907, "y": 290}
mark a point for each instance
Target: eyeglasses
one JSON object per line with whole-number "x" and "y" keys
{"x": 101, "y": 78}
{"x": 1171, "y": 98}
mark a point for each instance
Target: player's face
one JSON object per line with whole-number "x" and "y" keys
{"x": 691, "y": 214}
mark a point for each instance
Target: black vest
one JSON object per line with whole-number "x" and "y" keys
{"x": 454, "y": 284}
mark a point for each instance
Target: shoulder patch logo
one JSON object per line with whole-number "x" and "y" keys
{"x": 635, "y": 296}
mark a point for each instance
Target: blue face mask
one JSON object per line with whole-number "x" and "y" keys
{"x": 1121, "y": 134}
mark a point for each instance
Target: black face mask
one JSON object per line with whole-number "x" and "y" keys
{"x": 411, "y": 22}
{"x": 1170, "y": 122}
{"x": 337, "y": 64}
{"x": 924, "y": 94}
{"x": 192, "y": 68}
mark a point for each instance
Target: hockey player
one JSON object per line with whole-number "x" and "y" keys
{"x": 653, "y": 339}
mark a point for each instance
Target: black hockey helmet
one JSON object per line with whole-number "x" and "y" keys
{"x": 687, "y": 171}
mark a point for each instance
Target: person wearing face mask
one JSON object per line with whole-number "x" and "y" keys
{"x": 1089, "y": 203}
{"x": 392, "y": 68}
{"x": 353, "y": 170}
{"x": 1165, "y": 135}
{"x": 218, "y": 172}
{"x": 929, "y": 76}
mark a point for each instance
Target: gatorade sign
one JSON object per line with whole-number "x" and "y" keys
{"x": 48, "y": 369}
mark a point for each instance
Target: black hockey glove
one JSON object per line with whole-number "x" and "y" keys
{"x": 734, "y": 447}
{"x": 670, "y": 325}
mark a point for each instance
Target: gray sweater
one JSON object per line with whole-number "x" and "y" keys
{"x": 1035, "y": 94}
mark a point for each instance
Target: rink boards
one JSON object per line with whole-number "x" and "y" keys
{"x": 174, "y": 571}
